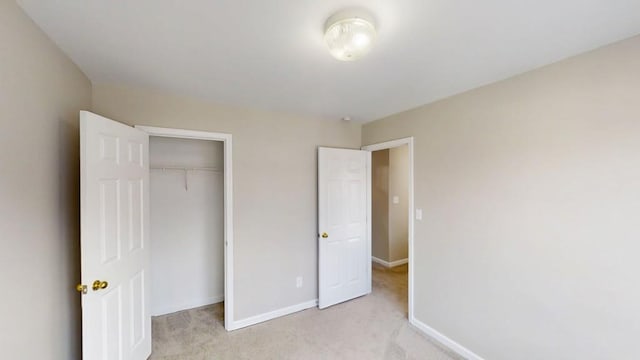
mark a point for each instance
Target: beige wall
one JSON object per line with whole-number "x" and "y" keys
{"x": 380, "y": 204}
{"x": 398, "y": 212}
{"x": 531, "y": 194}
{"x": 41, "y": 92}
{"x": 275, "y": 186}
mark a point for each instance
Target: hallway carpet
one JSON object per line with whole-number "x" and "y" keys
{"x": 371, "y": 327}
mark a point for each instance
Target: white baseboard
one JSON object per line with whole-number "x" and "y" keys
{"x": 442, "y": 339}
{"x": 388, "y": 264}
{"x": 272, "y": 315}
{"x": 189, "y": 305}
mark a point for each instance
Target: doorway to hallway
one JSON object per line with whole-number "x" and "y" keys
{"x": 392, "y": 220}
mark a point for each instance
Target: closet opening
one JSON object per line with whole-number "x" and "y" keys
{"x": 186, "y": 195}
{"x": 190, "y": 213}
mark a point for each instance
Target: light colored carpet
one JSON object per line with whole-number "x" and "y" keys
{"x": 371, "y": 327}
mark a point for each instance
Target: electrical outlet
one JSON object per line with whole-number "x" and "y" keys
{"x": 299, "y": 282}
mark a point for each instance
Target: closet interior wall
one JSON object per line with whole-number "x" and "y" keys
{"x": 187, "y": 223}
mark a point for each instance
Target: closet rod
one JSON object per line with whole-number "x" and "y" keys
{"x": 185, "y": 168}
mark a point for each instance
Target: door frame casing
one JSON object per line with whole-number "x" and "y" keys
{"x": 226, "y": 139}
{"x": 389, "y": 145}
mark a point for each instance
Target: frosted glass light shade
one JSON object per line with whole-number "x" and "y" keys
{"x": 349, "y": 38}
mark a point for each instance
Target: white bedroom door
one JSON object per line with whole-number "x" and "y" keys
{"x": 344, "y": 249}
{"x": 114, "y": 179}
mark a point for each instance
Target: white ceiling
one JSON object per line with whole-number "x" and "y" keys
{"x": 270, "y": 54}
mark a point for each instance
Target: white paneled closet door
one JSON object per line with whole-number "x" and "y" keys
{"x": 114, "y": 176}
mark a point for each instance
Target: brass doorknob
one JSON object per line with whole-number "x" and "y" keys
{"x": 98, "y": 285}
{"x": 82, "y": 289}
{"x": 325, "y": 235}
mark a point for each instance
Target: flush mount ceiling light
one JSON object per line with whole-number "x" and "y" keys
{"x": 349, "y": 34}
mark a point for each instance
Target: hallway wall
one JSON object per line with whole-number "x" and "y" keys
{"x": 399, "y": 211}
{"x": 390, "y": 204}
{"x": 380, "y": 204}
